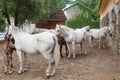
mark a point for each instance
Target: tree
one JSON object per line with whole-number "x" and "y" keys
{"x": 32, "y": 10}
{"x": 87, "y": 16}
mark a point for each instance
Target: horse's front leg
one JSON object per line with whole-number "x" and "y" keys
{"x": 90, "y": 41}
{"x": 67, "y": 51}
{"x": 103, "y": 43}
{"x": 5, "y": 63}
{"x": 81, "y": 50}
{"x": 99, "y": 43}
{"x": 73, "y": 46}
{"x": 20, "y": 61}
{"x": 68, "y": 45}
{"x": 85, "y": 46}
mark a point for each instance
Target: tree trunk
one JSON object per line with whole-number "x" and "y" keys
{"x": 6, "y": 12}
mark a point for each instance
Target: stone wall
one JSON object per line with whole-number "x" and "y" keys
{"x": 112, "y": 19}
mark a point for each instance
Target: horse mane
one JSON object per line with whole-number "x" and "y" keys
{"x": 66, "y": 28}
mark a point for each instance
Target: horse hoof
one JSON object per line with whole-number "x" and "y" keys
{"x": 5, "y": 72}
{"x": 104, "y": 47}
{"x": 51, "y": 75}
{"x": 48, "y": 75}
{"x": 25, "y": 70}
{"x": 74, "y": 57}
{"x": 91, "y": 46}
{"x": 81, "y": 52}
{"x": 68, "y": 56}
{"x": 10, "y": 72}
{"x": 11, "y": 66}
{"x": 61, "y": 56}
{"x": 19, "y": 72}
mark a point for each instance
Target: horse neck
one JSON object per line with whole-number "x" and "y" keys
{"x": 17, "y": 33}
{"x": 64, "y": 32}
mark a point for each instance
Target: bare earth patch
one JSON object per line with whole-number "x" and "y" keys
{"x": 97, "y": 64}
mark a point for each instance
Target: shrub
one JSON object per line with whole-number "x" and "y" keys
{"x": 82, "y": 20}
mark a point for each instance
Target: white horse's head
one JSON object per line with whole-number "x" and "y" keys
{"x": 87, "y": 28}
{"x": 58, "y": 29}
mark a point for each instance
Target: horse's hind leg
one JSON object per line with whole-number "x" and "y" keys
{"x": 73, "y": 46}
{"x": 5, "y": 63}
{"x": 61, "y": 50}
{"x": 67, "y": 51}
{"x": 49, "y": 57}
{"x": 25, "y": 62}
{"x": 11, "y": 64}
{"x": 20, "y": 61}
{"x": 68, "y": 45}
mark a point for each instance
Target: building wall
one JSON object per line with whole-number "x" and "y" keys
{"x": 50, "y": 24}
{"x": 72, "y": 12}
{"x": 112, "y": 19}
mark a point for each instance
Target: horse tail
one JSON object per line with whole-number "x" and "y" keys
{"x": 56, "y": 51}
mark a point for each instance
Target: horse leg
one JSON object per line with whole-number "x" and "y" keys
{"x": 68, "y": 45}
{"x": 81, "y": 48}
{"x": 5, "y": 63}
{"x": 25, "y": 62}
{"x": 103, "y": 42}
{"x": 48, "y": 70}
{"x": 99, "y": 43}
{"x": 20, "y": 61}
{"x": 49, "y": 57}
{"x": 10, "y": 62}
{"x": 73, "y": 46}
{"x": 11, "y": 59}
{"x": 90, "y": 41}
{"x": 66, "y": 49}
{"x": 61, "y": 50}
{"x": 84, "y": 41}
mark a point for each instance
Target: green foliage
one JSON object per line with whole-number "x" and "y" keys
{"x": 2, "y": 22}
{"x": 81, "y": 21}
{"x": 88, "y": 15}
{"x": 33, "y": 10}
{"x": 2, "y": 25}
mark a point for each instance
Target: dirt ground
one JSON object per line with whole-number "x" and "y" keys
{"x": 97, "y": 64}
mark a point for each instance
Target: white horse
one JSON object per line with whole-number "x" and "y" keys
{"x": 71, "y": 36}
{"x": 81, "y": 35}
{"x": 99, "y": 34}
{"x": 45, "y": 43}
